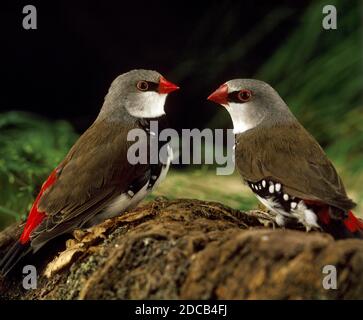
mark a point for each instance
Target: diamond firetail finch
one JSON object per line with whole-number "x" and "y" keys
{"x": 95, "y": 181}
{"x": 282, "y": 163}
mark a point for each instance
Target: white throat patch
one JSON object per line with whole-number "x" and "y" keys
{"x": 150, "y": 105}
{"x": 241, "y": 117}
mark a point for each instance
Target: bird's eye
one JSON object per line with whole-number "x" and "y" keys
{"x": 244, "y": 95}
{"x": 142, "y": 85}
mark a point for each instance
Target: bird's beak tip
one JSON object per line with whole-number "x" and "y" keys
{"x": 166, "y": 86}
{"x": 220, "y": 95}
{"x": 210, "y": 97}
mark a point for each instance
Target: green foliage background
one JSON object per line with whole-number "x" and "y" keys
{"x": 30, "y": 147}
{"x": 318, "y": 73}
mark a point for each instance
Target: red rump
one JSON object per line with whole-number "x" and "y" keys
{"x": 352, "y": 223}
{"x": 35, "y": 217}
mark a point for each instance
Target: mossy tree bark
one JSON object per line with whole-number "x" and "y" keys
{"x": 189, "y": 249}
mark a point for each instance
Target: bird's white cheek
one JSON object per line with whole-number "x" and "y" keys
{"x": 241, "y": 117}
{"x": 245, "y": 116}
{"x": 150, "y": 105}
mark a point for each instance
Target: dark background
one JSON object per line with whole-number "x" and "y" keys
{"x": 63, "y": 69}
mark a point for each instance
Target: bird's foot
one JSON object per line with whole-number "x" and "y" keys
{"x": 265, "y": 218}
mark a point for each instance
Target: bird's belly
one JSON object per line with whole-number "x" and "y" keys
{"x": 129, "y": 200}
{"x": 120, "y": 204}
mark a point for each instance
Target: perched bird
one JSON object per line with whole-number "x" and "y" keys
{"x": 282, "y": 163}
{"x": 95, "y": 181}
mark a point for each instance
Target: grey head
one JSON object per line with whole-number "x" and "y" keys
{"x": 251, "y": 103}
{"x": 137, "y": 93}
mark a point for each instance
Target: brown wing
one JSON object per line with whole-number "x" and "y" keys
{"x": 94, "y": 172}
{"x": 290, "y": 155}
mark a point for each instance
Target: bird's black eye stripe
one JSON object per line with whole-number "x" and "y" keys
{"x": 233, "y": 97}
{"x": 144, "y": 85}
{"x": 153, "y": 86}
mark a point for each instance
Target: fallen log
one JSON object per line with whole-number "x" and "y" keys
{"x": 189, "y": 249}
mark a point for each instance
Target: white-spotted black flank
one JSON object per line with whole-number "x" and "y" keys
{"x": 268, "y": 189}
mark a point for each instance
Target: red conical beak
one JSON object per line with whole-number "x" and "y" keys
{"x": 166, "y": 86}
{"x": 220, "y": 96}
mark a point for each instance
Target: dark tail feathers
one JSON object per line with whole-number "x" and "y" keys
{"x": 350, "y": 227}
{"x": 12, "y": 257}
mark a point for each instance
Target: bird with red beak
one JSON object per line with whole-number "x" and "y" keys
{"x": 95, "y": 181}
{"x": 282, "y": 163}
